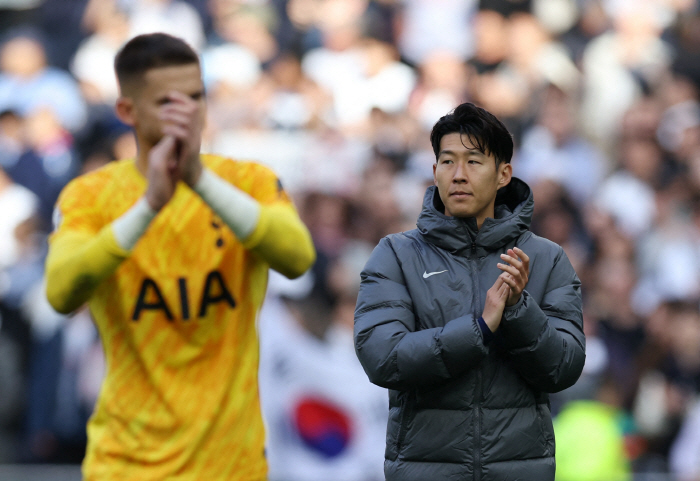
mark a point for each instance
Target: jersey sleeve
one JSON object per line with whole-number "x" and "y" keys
{"x": 82, "y": 249}
{"x": 280, "y": 237}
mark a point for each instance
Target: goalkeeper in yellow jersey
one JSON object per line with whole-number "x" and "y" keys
{"x": 171, "y": 252}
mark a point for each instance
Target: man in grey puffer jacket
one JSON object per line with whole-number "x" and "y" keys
{"x": 470, "y": 320}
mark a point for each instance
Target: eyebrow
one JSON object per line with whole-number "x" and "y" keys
{"x": 470, "y": 151}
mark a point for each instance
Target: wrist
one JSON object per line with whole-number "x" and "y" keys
{"x": 194, "y": 174}
{"x": 486, "y": 332}
{"x": 129, "y": 228}
{"x": 515, "y": 305}
{"x": 492, "y": 324}
{"x": 511, "y": 302}
{"x": 154, "y": 202}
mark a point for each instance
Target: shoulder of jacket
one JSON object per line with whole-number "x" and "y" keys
{"x": 404, "y": 239}
{"x": 539, "y": 245}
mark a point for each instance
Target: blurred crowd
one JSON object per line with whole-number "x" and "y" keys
{"x": 338, "y": 96}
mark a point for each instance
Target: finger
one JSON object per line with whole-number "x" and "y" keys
{"x": 177, "y": 96}
{"x": 499, "y": 283}
{"x": 185, "y": 105}
{"x": 512, "y": 270}
{"x": 175, "y": 117}
{"x": 510, "y": 281}
{"x": 180, "y": 101}
{"x": 511, "y": 254}
{"x": 511, "y": 260}
{"x": 524, "y": 257}
{"x": 165, "y": 145}
{"x": 175, "y": 131}
{"x": 161, "y": 156}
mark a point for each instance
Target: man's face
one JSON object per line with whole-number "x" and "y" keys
{"x": 467, "y": 179}
{"x": 153, "y": 93}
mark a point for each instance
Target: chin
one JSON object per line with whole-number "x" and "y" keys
{"x": 458, "y": 211}
{"x": 462, "y": 214}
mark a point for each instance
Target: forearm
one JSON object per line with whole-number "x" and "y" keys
{"x": 393, "y": 350}
{"x": 396, "y": 358}
{"x": 548, "y": 351}
{"x": 282, "y": 239}
{"x": 78, "y": 262}
{"x": 274, "y": 232}
{"x": 236, "y": 208}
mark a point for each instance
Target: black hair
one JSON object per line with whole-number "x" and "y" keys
{"x": 482, "y": 128}
{"x": 148, "y": 51}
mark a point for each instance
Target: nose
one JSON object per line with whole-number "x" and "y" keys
{"x": 460, "y": 173}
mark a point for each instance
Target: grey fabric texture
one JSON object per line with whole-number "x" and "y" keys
{"x": 460, "y": 410}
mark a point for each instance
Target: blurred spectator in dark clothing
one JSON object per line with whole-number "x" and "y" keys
{"x": 18, "y": 12}
{"x": 48, "y": 162}
{"x": 11, "y": 138}
{"x": 669, "y": 380}
{"x": 506, "y": 7}
{"x": 60, "y": 20}
{"x": 619, "y": 326}
{"x": 685, "y": 39}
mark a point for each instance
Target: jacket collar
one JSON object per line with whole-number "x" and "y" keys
{"x": 513, "y": 212}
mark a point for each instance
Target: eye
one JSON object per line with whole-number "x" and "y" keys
{"x": 446, "y": 161}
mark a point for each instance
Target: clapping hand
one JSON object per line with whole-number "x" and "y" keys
{"x": 515, "y": 273}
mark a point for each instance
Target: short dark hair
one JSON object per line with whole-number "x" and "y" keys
{"x": 482, "y": 128}
{"x": 148, "y": 51}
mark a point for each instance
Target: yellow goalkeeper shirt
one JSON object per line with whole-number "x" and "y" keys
{"x": 177, "y": 320}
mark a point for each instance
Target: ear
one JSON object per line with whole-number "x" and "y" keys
{"x": 125, "y": 110}
{"x": 435, "y": 176}
{"x": 505, "y": 173}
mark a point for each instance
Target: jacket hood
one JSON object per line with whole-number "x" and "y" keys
{"x": 513, "y": 212}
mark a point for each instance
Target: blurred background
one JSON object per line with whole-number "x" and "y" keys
{"x": 338, "y": 96}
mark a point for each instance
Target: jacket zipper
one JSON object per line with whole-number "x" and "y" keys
{"x": 477, "y": 423}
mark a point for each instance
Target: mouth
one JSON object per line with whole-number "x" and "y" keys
{"x": 460, "y": 195}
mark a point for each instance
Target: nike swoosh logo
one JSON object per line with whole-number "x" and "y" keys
{"x": 428, "y": 274}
